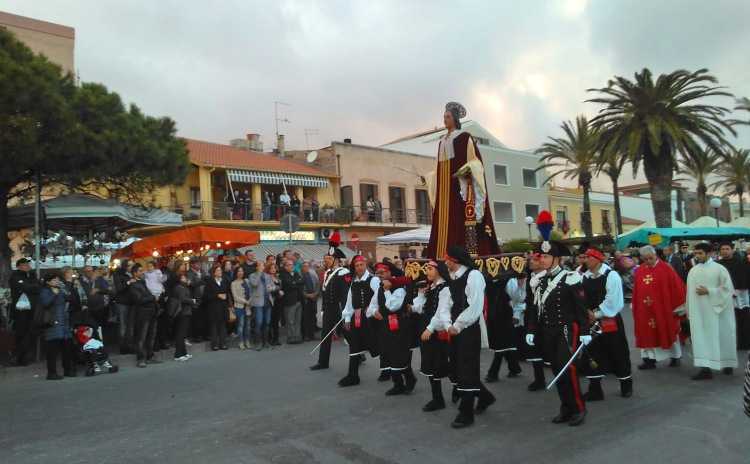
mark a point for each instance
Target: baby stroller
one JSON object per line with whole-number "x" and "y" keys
{"x": 92, "y": 351}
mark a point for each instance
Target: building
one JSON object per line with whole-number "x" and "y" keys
{"x": 566, "y": 206}
{"x": 514, "y": 186}
{"x": 384, "y": 190}
{"x": 55, "y": 41}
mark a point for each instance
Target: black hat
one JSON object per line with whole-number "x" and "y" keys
{"x": 22, "y": 261}
{"x": 337, "y": 253}
{"x": 583, "y": 248}
{"x": 460, "y": 255}
{"x": 553, "y": 248}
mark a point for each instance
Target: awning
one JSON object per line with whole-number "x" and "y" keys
{"x": 407, "y": 237}
{"x": 276, "y": 178}
{"x": 667, "y": 235}
{"x": 190, "y": 240}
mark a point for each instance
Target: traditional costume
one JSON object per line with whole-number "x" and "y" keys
{"x": 505, "y": 304}
{"x": 609, "y": 353}
{"x": 658, "y": 294}
{"x": 334, "y": 289}
{"x": 361, "y": 304}
{"x": 458, "y": 191}
{"x": 563, "y": 322}
{"x": 712, "y": 326}
{"x": 434, "y": 310}
{"x": 467, "y": 291}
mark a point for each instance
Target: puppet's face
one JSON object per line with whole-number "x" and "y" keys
{"x": 448, "y": 120}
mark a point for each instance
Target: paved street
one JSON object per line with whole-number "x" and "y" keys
{"x": 246, "y": 407}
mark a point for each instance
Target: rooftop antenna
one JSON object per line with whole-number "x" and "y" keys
{"x": 308, "y": 133}
{"x": 277, "y": 119}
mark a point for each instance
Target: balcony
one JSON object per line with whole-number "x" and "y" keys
{"x": 391, "y": 217}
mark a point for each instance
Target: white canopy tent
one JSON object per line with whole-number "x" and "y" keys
{"x": 419, "y": 236}
{"x": 706, "y": 221}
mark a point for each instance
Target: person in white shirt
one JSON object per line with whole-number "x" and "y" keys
{"x": 467, "y": 324}
{"x": 610, "y": 352}
{"x": 507, "y": 303}
{"x": 361, "y": 305}
{"x": 433, "y": 303}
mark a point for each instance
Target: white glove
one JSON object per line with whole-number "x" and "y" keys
{"x": 585, "y": 339}
{"x": 530, "y": 339}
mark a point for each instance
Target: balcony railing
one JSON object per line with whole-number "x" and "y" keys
{"x": 225, "y": 211}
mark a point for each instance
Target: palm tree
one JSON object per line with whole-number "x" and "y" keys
{"x": 697, "y": 166}
{"x": 743, "y": 104}
{"x": 734, "y": 175}
{"x": 611, "y": 163}
{"x": 574, "y": 157}
{"x": 650, "y": 122}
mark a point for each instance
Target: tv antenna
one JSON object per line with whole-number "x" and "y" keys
{"x": 276, "y": 118}
{"x": 308, "y": 133}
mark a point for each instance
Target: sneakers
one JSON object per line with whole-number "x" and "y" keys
{"x": 182, "y": 358}
{"x": 242, "y": 346}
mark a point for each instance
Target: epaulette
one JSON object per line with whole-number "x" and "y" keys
{"x": 573, "y": 278}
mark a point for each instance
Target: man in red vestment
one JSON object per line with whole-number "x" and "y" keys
{"x": 658, "y": 294}
{"x": 461, "y": 214}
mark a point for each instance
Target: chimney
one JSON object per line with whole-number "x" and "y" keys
{"x": 347, "y": 140}
{"x": 253, "y": 142}
{"x": 280, "y": 149}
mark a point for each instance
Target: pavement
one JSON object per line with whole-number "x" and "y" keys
{"x": 267, "y": 407}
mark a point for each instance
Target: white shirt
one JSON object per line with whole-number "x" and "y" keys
{"x": 155, "y": 282}
{"x": 474, "y": 297}
{"x": 613, "y": 301}
{"x": 441, "y": 320}
{"x": 517, "y": 294}
{"x": 372, "y": 307}
{"x": 394, "y": 300}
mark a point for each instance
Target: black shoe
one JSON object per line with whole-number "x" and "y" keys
{"x": 114, "y": 369}
{"x": 384, "y": 376}
{"x": 483, "y": 405}
{"x": 536, "y": 385}
{"x": 153, "y": 361}
{"x": 674, "y": 362}
{"x": 491, "y": 378}
{"x": 703, "y": 374}
{"x": 727, "y": 371}
{"x": 433, "y": 405}
{"x": 71, "y": 373}
{"x": 54, "y": 377}
{"x": 349, "y": 381}
{"x": 90, "y": 372}
{"x": 577, "y": 419}
{"x": 224, "y": 347}
{"x": 595, "y": 394}
{"x": 561, "y": 418}
{"x": 411, "y": 382}
{"x": 513, "y": 375}
{"x": 454, "y": 395}
{"x": 626, "y": 388}
{"x": 214, "y": 348}
{"x": 648, "y": 364}
{"x": 396, "y": 390}
{"x": 318, "y": 367}
{"x": 462, "y": 421}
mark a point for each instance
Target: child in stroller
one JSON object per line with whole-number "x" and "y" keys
{"x": 97, "y": 360}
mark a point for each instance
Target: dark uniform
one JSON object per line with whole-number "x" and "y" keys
{"x": 395, "y": 336}
{"x": 562, "y": 319}
{"x": 360, "y": 336}
{"x": 534, "y": 354}
{"x": 23, "y": 283}
{"x": 502, "y": 337}
{"x": 334, "y": 288}
{"x": 609, "y": 353}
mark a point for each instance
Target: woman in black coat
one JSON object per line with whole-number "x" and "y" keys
{"x": 216, "y": 296}
{"x": 180, "y": 305}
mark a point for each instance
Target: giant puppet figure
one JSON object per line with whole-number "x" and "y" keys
{"x": 461, "y": 214}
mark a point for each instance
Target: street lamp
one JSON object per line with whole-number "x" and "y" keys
{"x": 529, "y": 221}
{"x": 716, "y": 204}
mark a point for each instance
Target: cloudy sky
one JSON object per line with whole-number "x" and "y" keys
{"x": 375, "y": 70}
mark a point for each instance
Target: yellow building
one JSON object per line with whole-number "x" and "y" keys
{"x": 55, "y": 41}
{"x": 566, "y": 206}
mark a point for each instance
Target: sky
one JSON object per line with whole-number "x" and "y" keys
{"x": 376, "y": 70}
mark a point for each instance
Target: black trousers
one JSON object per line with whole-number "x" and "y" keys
{"x": 277, "y": 313}
{"x": 559, "y": 345}
{"x": 145, "y": 333}
{"x": 217, "y": 319}
{"x": 199, "y": 322}
{"x": 181, "y": 325}
{"x": 330, "y": 318}
{"x": 742, "y": 317}
{"x": 164, "y": 330}
{"x": 609, "y": 353}
{"x": 309, "y": 322}
{"x": 23, "y": 335}
{"x": 58, "y": 347}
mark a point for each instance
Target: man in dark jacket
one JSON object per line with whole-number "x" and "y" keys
{"x": 739, "y": 271}
{"x": 199, "y": 319}
{"x": 676, "y": 261}
{"x": 144, "y": 304}
{"x": 25, "y": 287}
{"x": 292, "y": 286}
{"x": 97, "y": 292}
{"x": 122, "y": 279}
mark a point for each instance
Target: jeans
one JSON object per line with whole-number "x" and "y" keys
{"x": 180, "y": 332}
{"x": 293, "y": 322}
{"x": 243, "y": 325}
{"x": 126, "y": 319}
{"x": 262, "y": 318}
{"x": 146, "y": 334}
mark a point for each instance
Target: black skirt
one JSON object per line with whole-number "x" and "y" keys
{"x": 435, "y": 358}
{"x": 359, "y": 338}
{"x": 395, "y": 346}
{"x": 464, "y": 359}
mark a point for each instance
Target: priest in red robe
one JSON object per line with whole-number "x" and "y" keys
{"x": 658, "y": 301}
{"x": 461, "y": 214}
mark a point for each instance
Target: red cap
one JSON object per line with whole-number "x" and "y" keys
{"x": 596, "y": 254}
{"x": 432, "y": 263}
{"x": 358, "y": 258}
{"x": 382, "y": 266}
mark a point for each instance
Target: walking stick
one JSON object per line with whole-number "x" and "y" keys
{"x": 595, "y": 330}
{"x": 329, "y": 334}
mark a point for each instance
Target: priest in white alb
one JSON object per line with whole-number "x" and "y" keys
{"x": 710, "y": 309}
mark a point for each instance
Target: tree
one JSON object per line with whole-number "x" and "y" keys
{"x": 743, "y": 104}
{"x": 650, "y": 122}
{"x": 574, "y": 157}
{"x": 611, "y": 163}
{"x": 79, "y": 137}
{"x": 697, "y": 166}
{"x": 734, "y": 175}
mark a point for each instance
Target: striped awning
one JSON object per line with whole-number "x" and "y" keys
{"x": 276, "y": 178}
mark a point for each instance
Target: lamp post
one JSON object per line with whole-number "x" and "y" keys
{"x": 716, "y": 204}
{"x": 529, "y": 221}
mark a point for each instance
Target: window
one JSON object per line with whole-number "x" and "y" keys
{"x": 422, "y": 202}
{"x": 529, "y": 178}
{"x": 367, "y": 191}
{"x": 503, "y": 211}
{"x": 347, "y": 200}
{"x": 501, "y": 174}
{"x": 532, "y": 210}
{"x": 561, "y": 218}
{"x": 195, "y": 197}
{"x": 397, "y": 202}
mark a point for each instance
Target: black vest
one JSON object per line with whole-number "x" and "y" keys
{"x": 430, "y": 306}
{"x": 330, "y": 296}
{"x": 458, "y": 293}
{"x": 361, "y": 293}
{"x": 595, "y": 289}
{"x": 381, "y": 304}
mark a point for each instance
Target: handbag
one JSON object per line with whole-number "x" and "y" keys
{"x": 232, "y": 315}
{"x": 23, "y": 303}
{"x": 43, "y": 317}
